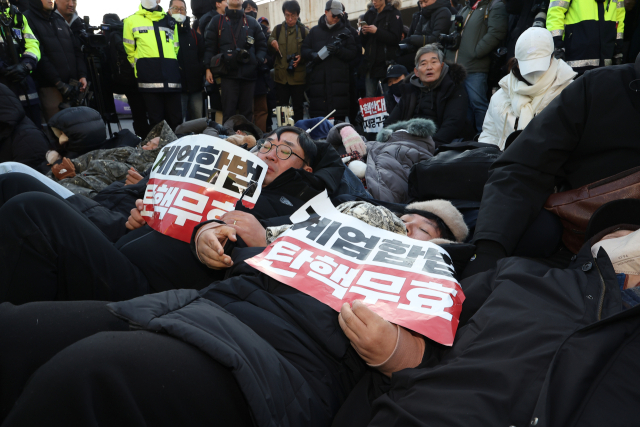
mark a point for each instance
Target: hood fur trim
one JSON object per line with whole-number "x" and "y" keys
{"x": 457, "y": 73}
{"x": 423, "y": 128}
{"x": 448, "y": 213}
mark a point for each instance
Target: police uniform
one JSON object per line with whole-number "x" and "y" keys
{"x": 28, "y": 51}
{"x": 150, "y": 39}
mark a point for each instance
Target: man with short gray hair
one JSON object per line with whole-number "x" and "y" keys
{"x": 435, "y": 92}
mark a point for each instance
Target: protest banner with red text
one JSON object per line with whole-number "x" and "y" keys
{"x": 199, "y": 178}
{"x": 374, "y": 111}
{"x": 337, "y": 258}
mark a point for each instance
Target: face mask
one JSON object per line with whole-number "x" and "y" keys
{"x": 395, "y": 89}
{"x": 179, "y": 18}
{"x": 624, "y": 252}
{"x": 149, "y": 4}
{"x": 534, "y": 77}
{"x": 254, "y": 15}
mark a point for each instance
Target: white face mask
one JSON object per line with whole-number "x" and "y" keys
{"x": 534, "y": 77}
{"x": 179, "y": 18}
{"x": 624, "y": 252}
{"x": 149, "y": 4}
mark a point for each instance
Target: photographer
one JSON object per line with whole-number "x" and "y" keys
{"x": 237, "y": 43}
{"x": 290, "y": 73}
{"x": 432, "y": 20}
{"x": 151, "y": 41}
{"x": 380, "y": 33}
{"x": 61, "y": 61}
{"x": 67, "y": 9}
{"x": 328, "y": 48}
{"x": 485, "y": 27}
{"x": 17, "y": 64}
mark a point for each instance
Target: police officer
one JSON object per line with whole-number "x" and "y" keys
{"x": 150, "y": 39}
{"x": 17, "y": 39}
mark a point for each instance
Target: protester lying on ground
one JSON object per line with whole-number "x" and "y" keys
{"x": 90, "y": 173}
{"x": 535, "y": 78}
{"x": 561, "y": 149}
{"x": 81, "y": 262}
{"x": 388, "y": 159}
{"x": 236, "y": 125}
{"x": 20, "y": 139}
{"x": 78, "y": 130}
{"x": 435, "y": 92}
{"x": 245, "y": 351}
{"x": 568, "y": 334}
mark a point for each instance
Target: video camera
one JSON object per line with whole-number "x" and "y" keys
{"x": 75, "y": 98}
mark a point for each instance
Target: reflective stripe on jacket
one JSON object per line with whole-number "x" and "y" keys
{"x": 150, "y": 39}
{"x": 31, "y": 44}
{"x": 589, "y": 30}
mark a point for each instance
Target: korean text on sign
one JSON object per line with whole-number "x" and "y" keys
{"x": 198, "y": 178}
{"x": 374, "y": 111}
{"x": 337, "y": 258}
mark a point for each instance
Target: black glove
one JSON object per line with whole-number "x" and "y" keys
{"x": 65, "y": 89}
{"x": 17, "y": 73}
{"x": 314, "y": 55}
{"x": 559, "y": 54}
{"x": 487, "y": 255}
{"x": 333, "y": 48}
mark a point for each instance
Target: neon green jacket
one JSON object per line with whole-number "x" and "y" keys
{"x": 151, "y": 41}
{"x": 29, "y": 48}
{"x": 591, "y": 32}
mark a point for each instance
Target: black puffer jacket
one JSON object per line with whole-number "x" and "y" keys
{"x": 204, "y": 21}
{"x": 61, "y": 58}
{"x": 446, "y": 105}
{"x": 20, "y": 140}
{"x": 250, "y": 28}
{"x": 432, "y": 21}
{"x": 381, "y": 46}
{"x": 329, "y": 80}
{"x": 190, "y": 58}
{"x": 83, "y": 126}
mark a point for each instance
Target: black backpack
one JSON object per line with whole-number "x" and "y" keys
{"x": 122, "y": 74}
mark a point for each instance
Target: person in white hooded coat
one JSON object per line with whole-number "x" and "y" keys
{"x": 534, "y": 80}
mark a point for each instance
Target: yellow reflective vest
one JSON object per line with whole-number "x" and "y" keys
{"x": 26, "y": 43}
{"x": 151, "y": 41}
{"x": 590, "y": 31}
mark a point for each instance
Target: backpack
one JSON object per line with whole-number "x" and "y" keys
{"x": 279, "y": 28}
{"x": 122, "y": 74}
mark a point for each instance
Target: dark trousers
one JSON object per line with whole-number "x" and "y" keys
{"x": 296, "y": 93}
{"x": 76, "y": 364}
{"x": 237, "y": 95}
{"x": 138, "y": 112}
{"x": 164, "y": 106}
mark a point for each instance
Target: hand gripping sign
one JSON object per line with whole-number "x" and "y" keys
{"x": 198, "y": 178}
{"x": 337, "y": 258}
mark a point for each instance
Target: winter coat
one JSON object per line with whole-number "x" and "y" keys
{"x": 434, "y": 20}
{"x": 83, "y": 126}
{"x": 20, "y": 139}
{"x": 190, "y": 58}
{"x": 329, "y": 81}
{"x": 381, "y": 47}
{"x": 390, "y": 158}
{"x": 484, "y": 29}
{"x": 535, "y": 346}
{"x": 501, "y": 120}
{"x": 205, "y": 20}
{"x": 264, "y": 82}
{"x": 76, "y": 24}
{"x": 61, "y": 58}
{"x": 569, "y": 144}
{"x": 250, "y": 28}
{"x": 449, "y": 100}
{"x": 285, "y": 349}
{"x": 290, "y": 42}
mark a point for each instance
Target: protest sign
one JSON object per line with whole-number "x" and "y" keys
{"x": 337, "y": 258}
{"x": 374, "y": 111}
{"x": 199, "y": 178}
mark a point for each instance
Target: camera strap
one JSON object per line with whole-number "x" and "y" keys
{"x": 286, "y": 39}
{"x": 235, "y": 37}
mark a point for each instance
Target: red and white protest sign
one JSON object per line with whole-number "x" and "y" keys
{"x": 337, "y": 258}
{"x": 374, "y": 111}
{"x": 198, "y": 178}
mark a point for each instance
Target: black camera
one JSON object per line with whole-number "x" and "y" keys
{"x": 290, "y": 60}
{"x": 242, "y": 56}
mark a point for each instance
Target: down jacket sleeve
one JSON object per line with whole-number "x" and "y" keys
{"x": 496, "y": 32}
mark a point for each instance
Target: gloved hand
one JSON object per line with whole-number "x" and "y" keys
{"x": 314, "y": 55}
{"x": 559, "y": 54}
{"x": 65, "y": 89}
{"x": 17, "y": 73}
{"x": 352, "y": 141}
{"x": 333, "y": 48}
{"x": 486, "y": 257}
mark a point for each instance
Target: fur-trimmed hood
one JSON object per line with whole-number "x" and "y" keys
{"x": 457, "y": 73}
{"x": 423, "y": 128}
{"x": 448, "y": 213}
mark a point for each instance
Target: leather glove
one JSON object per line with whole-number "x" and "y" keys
{"x": 17, "y": 73}
{"x": 333, "y": 48}
{"x": 559, "y": 54}
{"x": 65, "y": 89}
{"x": 486, "y": 257}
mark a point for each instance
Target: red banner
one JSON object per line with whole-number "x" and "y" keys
{"x": 337, "y": 258}
{"x": 199, "y": 178}
{"x": 374, "y": 111}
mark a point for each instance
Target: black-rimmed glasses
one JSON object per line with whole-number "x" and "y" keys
{"x": 283, "y": 151}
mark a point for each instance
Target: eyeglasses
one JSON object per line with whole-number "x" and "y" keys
{"x": 282, "y": 151}
{"x": 179, "y": 9}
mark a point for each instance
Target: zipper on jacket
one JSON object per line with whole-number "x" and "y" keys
{"x": 601, "y": 302}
